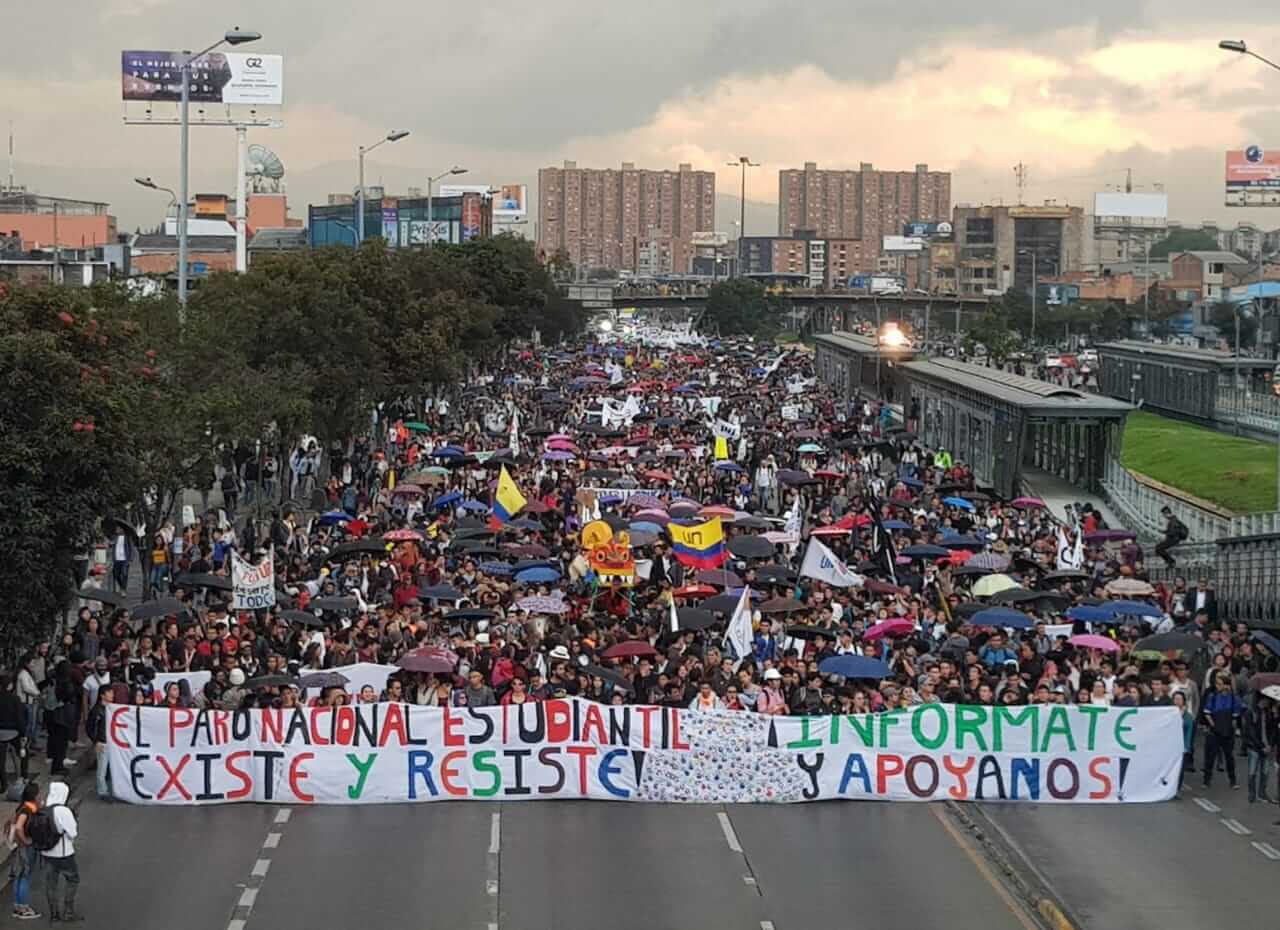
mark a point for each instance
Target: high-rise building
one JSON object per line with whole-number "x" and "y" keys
{"x": 998, "y": 247}
{"x": 864, "y": 205}
{"x": 625, "y": 219}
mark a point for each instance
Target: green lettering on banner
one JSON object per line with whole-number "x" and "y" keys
{"x": 864, "y": 725}
{"x": 1093, "y": 712}
{"x": 917, "y": 730}
{"x": 483, "y": 762}
{"x": 970, "y": 719}
{"x": 1059, "y": 725}
{"x": 888, "y": 719}
{"x": 805, "y": 741}
{"x": 1122, "y": 727}
{"x": 354, "y": 791}
{"x": 1014, "y": 717}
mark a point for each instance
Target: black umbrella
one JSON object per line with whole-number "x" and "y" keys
{"x": 780, "y": 605}
{"x": 970, "y": 570}
{"x": 1171, "y": 642}
{"x": 270, "y": 681}
{"x": 806, "y": 631}
{"x": 1014, "y": 596}
{"x": 751, "y": 522}
{"x": 202, "y": 580}
{"x": 473, "y": 532}
{"x": 441, "y": 592}
{"x": 323, "y": 680}
{"x": 335, "y": 603}
{"x": 470, "y": 615}
{"x": 721, "y": 603}
{"x": 926, "y": 551}
{"x": 751, "y": 547}
{"x": 778, "y": 574}
{"x": 163, "y": 607}
{"x": 1069, "y": 574}
{"x": 968, "y": 608}
{"x": 305, "y": 617}
{"x": 103, "y": 596}
{"x": 603, "y": 474}
{"x": 354, "y": 550}
{"x": 694, "y": 618}
{"x": 610, "y": 675}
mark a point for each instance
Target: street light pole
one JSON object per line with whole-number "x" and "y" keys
{"x": 236, "y": 36}
{"x": 1240, "y": 48}
{"x": 394, "y": 136}
{"x": 742, "y": 163}
{"x": 431, "y": 182}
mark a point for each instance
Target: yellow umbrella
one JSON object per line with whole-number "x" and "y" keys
{"x": 993, "y": 584}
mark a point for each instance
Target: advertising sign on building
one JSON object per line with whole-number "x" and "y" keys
{"x": 926, "y": 230}
{"x": 510, "y": 201}
{"x": 421, "y": 232}
{"x": 391, "y": 221}
{"x": 709, "y": 239}
{"x": 471, "y": 217}
{"x": 217, "y": 77}
{"x": 1253, "y": 177}
{"x": 903, "y": 244}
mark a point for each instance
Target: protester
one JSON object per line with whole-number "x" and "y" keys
{"x": 25, "y": 857}
{"x": 53, "y": 832}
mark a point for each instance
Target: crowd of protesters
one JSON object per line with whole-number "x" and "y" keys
{"x": 449, "y": 584}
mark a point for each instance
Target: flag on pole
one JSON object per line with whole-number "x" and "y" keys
{"x": 1070, "y": 556}
{"x": 882, "y": 544}
{"x": 507, "y": 502}
{"x": 515, "y": 433}
{"x": 699, "y": 546}
{"x": 823, "y": 564}
{"x": 738, "y": 636}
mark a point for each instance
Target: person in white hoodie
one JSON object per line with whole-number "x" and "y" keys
{"x": 61, "y": 859}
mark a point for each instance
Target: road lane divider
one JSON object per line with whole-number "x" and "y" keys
{"x": 730, "y": 837}
{"x": 258, "y": 874}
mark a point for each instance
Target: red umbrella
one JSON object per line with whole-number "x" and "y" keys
{"x": 632, "y": 648}
{"x": 832, "y": 530}
{"x": 429, "y": 659}
{"x": 694, "y": 590}
{"x": 876, "y": 586}
{"x": 716, "y": 510}
{"x": 896, "y": 626}
{"x": 1027, "y": 503}
{"x": 403, "y": 535}
{"x": 828, "y": 474}
{"x": 656, "y": 475}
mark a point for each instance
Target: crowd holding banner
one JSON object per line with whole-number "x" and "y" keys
{"x": 773, "y": 597}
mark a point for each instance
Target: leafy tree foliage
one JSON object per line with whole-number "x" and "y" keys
{"x": 742, "y": 306}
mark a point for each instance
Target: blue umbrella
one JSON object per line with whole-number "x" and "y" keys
{"x": 445, "y": 500}
{"x": 959, "y": 502}
{"x": 729, "y": 466}
{"x": 524, "y": 523}
{"x": 912, "y": 483}
{"x": 441, "y": 592}
{"x": 448, "y": 452}
{"x": 538, "y": 576}
{"x": 609, "y": 500}
{"x": 850, "y": 666}
{"x": 956, "y": 541}
{"x": 755, "y": 594}
{"x": 558, "y": 455}
{"x": 925, "y": 552}
{"x": 1266, "y": 640}
{"x": 895, "y": 525}
{"x": 522, "y": 564}
{"x": 1134, "y": 609}
{"x": 474, "y": 506}
{"x": 334, "y": 516}
{"x": 495, "y": 568}
{"x": 644, "y": 526}
{"x": 1091, "y": 614}
{"x": 809, "y": 447}
{"x": 1003, "y": 617}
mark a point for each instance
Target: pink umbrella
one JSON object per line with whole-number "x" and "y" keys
{"x": 894, "y": 627}
{"x": 554, "y": 437}
{"x": 403, "y": 535}
{"x": 1027, "y": 503}
{"x": 1094, "y": 641}
{"x": 657, "y": 516}
{"x": 832, "y": 530}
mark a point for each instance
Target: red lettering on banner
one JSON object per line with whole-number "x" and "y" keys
{"x": 1095, "y": 769}
{"x": 296, "y": 775}
{"x": 221, "y": 728}
{"x": 594, "y": 721}
{"x": 345, "y": 728}
{"x": 246, "y": 783}
{"x": 961, "y": 791}
{"x": 583, "y": 753}
{"x": 448, "y": 773}
{"x": 452, "y": 736}
{"x": 317, "y": 737}
{"x": 887, "y": 766}
{"x": 394, "y": 720}
{"x": 172, "y": 777}
{"x": 272, "y": 725}
{"x": 178, "y": 714}
{"x": 558, "y": 717}
{"x": 646, "y": 727}
{"x": 676, "y": 741}
{"x": 117, "y": 724}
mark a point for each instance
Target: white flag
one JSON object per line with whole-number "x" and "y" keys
{"x": 253, "y": 586}
{"x": 738, "y": 635}
{"x": 675, "y": 619}
{"x": 515, "y": 433}
{"x": 1069, "y": 556}
{"x": 823, "y": 564}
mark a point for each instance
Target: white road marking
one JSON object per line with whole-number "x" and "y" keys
{"x": 748, "y": 879}
{"x": 272, "y": 841}
{"x": 491, "y": 887}
{"x": 1207, "y": 805}
{"x": 493, "y": 927}
{"x": 1236, "y": 827}
{"x": 730, "y": 836}
{"x": 766, "y": 925}
{"x": 282, "y": 815}
{"x": 260, "y": 868}
{"x": 1267, "y": 850}
{"x": 248, "y": 896}
{"x": 236, "y": 925}
{"x": 495, "y": 834}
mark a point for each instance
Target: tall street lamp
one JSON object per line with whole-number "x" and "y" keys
{"x": 236, "y": 36}
{"x": 431, "y": 183}
{"x": 1034, "y": 288}
{"x": 1238, "y": 46}
{"x": 152, "y": 185}
{"x": 743, "y": 163}
{"x": 394, "y": 136}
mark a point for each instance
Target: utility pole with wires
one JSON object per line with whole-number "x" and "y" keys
{"x": 1020, "y": 173}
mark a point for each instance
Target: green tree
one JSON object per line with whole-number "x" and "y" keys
{"x": 740, "y": 306}
{"x": 1183, "y": 240}
{"x": 1223, "y": 315}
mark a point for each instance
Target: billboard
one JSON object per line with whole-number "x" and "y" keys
{"x": 918, "y": 229}
{"x": 510, "y": 201}
{"x": 1253, "y": 177}
{"x": 471, "y": 217}
{"x": 422, "y": 232}
{"x": 391, "y": 220}
{"x": 709, "y": 239}
{"x": 217, "y": 77}
{"x": 903, "y": 244}
{"x": 1131, "y": 206}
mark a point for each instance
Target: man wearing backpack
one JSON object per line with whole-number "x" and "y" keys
{"x": 1175, "y": 533}
{"x": 53, "y": 832}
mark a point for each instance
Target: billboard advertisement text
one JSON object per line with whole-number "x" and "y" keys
{"x": 217, "y": 77}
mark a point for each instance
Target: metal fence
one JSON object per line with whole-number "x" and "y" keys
{"x": 1139, "y": 501}
{"x": 1251, "y": 409}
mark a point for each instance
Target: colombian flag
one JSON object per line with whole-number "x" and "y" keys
{"x": 507, "y": 502}
{"x": 700, "y": 546}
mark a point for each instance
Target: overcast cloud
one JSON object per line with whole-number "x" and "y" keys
{"x": 1078, "y": 91}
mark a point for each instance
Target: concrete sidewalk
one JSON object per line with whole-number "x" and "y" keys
{"x": 1058, "y": 495}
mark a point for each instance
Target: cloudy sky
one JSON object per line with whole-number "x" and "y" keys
{"x": 1077, "y": 91}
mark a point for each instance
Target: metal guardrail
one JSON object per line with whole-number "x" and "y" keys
{"x": 1252, "y": 409}
{"x": 1139, "y": 501}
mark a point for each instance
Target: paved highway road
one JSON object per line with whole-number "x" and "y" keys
{"x": 562, "y": 865}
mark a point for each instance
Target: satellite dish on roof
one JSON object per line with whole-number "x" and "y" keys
{"x": 265, "y": 169}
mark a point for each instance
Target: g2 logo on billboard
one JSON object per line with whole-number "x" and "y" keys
{"x": 253, "y": 63}
{"x": 1254, "y": 154}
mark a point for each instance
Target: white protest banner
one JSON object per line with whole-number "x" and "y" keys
{"x": 790, "y": 411}
{"x": 726, "y": 429}
{"x": 572, "y": 748}
{"x": 254, "y": 586}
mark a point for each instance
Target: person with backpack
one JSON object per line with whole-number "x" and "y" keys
{"x": 25, "y": 858}
{"x": 53, "y": 832}
{"x": 1175, "y": 533}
